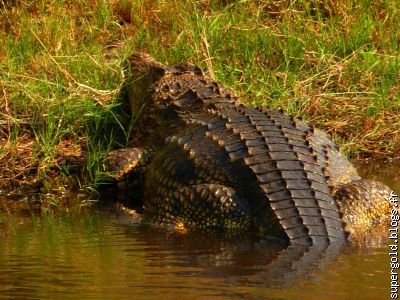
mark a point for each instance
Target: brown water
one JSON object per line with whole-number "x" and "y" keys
{"x": 105, "y": 255}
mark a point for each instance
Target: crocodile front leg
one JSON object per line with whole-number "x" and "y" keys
{"x": 202, "y": 206}
{"x": 125, "y": 166}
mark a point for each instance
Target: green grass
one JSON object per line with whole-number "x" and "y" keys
{"x": 336, "y": 63}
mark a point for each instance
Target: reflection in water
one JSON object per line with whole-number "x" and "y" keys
{"x": 100, "y": 256}
{"x": 106, "y": 255}
{"x": 272, "y": 264}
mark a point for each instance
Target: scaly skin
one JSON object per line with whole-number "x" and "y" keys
{"x": 217, "y": 164}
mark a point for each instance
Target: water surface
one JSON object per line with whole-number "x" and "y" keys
{"x": 103, "y": 254}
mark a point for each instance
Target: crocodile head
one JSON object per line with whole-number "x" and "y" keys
{"x": 144, "y": 71}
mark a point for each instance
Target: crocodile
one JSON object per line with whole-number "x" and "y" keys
{"x": 209, "y": 162}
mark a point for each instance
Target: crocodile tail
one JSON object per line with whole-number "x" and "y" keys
{"x": 295, "y": 184}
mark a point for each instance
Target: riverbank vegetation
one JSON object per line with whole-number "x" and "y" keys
{"x": 336, "y": 63}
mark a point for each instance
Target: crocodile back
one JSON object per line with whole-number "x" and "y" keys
{"x": 280, "y": 151}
